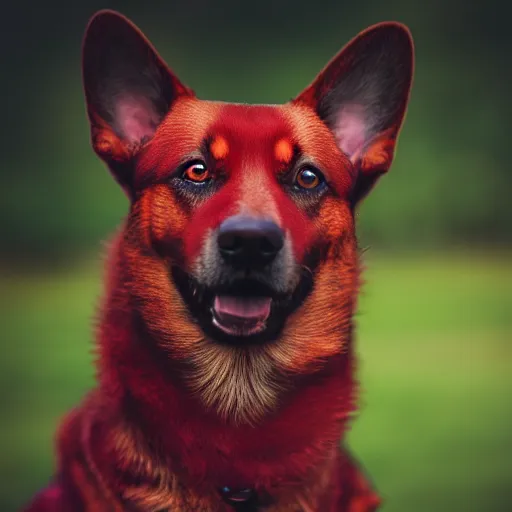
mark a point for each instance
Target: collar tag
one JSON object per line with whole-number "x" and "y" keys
{"x": 240, "y": 499}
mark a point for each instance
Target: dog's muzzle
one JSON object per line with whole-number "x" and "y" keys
{"x": 246, "y": 244}
{"x": 245, "y": 282}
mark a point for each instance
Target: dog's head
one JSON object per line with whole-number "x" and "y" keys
{"x": 239, "y": 251}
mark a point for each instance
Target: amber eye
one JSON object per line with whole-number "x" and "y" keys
{"x": 309, "y": 178}
{"x": 197, "y": 172}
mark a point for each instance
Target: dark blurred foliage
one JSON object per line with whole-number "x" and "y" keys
{"x": 450, "y": 183}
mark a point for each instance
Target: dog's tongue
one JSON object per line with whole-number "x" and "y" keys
{"x": 241, "y": 315}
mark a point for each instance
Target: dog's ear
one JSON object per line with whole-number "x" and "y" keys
{"x": 362, "y": 96}
{"x": 128, "y": 90}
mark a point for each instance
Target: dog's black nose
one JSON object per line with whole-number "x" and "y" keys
{"x": 249, "y": 241}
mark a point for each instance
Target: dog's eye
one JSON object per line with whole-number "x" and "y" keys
{"x": 197, "y": 173}
{"x": 309, "y": 178}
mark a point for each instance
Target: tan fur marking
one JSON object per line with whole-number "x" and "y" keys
{"x": 379, "y": 155}
{"x": 219, "y": 148}
{"x": 238, "y": 383}
{"x": 283, "y": 151}
{"x": 168, "y": 220}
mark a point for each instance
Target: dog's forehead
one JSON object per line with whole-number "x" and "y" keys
{"x": 238, "y": 121}
{"x": 252, "y": 134}
{"x": 241, "y": 133}
{"x": 251, "y": 121}
{"x": 277, "y": 132}
{"x": 241, "y": 129}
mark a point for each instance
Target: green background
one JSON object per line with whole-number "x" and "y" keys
{"x": 435, "y": 320}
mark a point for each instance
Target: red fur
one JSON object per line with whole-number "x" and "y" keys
{"x": 145, "y": 438}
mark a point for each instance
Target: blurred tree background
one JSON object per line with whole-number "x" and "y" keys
{"x": 436, "y": 315}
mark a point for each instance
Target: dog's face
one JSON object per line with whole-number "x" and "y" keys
{"x": 240, "y": 247}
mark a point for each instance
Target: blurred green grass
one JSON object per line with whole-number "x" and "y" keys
{"x": 434, "y": 335}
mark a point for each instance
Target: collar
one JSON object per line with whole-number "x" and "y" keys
{"x": 245, "y": 500}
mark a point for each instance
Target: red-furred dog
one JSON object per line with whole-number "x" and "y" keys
{"x": 226, "y": 361}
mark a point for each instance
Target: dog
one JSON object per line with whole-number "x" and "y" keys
{"x": 225, "y": 340}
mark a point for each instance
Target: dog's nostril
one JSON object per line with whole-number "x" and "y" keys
{"x": 248, "y": 241}
{"x": 230, "y": 243}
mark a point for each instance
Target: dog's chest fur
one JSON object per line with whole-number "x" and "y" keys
{"x": 150, "y": 486}
{"x": 113, "y": 469}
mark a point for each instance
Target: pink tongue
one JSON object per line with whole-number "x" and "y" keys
{"x": 241, "y": 316}
{"x": 250, "y": 308}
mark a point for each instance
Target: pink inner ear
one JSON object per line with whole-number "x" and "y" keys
{"x": 136, "y": 118}
{"x": 350, "y": 130}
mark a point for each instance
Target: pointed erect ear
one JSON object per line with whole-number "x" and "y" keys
{"x": 362, "y": 96}
{"x": 128, "y": 89}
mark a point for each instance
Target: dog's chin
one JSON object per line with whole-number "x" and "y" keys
{"x": 244, "y": 312}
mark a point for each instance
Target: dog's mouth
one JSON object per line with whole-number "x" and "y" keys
{"x": 241, "y": 316}
{"x": 245, "y": 311}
